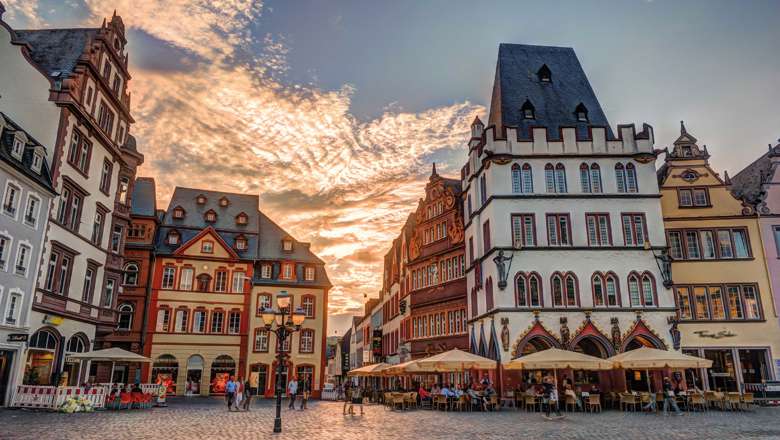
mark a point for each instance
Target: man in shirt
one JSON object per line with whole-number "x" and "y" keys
{"x": 230, "y": 392}
{"x": 292, "y": 390}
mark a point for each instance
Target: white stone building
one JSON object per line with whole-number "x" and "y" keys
{"x": 563, "y": 219}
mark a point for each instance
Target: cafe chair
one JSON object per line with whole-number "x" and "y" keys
{"x": 697, "y": 401}
{"x": 571, "y": 402}
{"x": 748, "y": 400}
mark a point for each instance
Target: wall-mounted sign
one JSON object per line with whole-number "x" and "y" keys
{"x": 18, "y": 337}
{"x": 53, "y": 319}
{"x": 719, "y": 335}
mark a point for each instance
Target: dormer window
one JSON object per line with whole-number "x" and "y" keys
{"x": 224, "y": 202}
{"x": 178, "y": 212}
{"x": 581, "y": 112}
{"x": 544, "y": 74}
{"x": 18, "y": 148}
{"x": 241, "y": 243}
{"x": 173, "y": 238}
{"x": 201, "y": 199}
{"x": 528, "y": 110}
{"x": 242, "y": 219}
{"x": 210, "y": 216}
{"x": 287, "y": 245}
{"x": 37, "y": 162}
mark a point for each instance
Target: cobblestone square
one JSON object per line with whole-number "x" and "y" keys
{"x": 208, "y": 419}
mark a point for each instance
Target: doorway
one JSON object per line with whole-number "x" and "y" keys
{"x": 6, "y": 360}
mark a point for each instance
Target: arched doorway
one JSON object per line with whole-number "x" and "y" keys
{"x": 78, "y": 343}
{"x": 592, "y": 346}
{"x": 41, "y": 357}
{"x": 258, "y": 378}
{"x": 194, "y": 374}
{"x": 641, "y": 341}
{"x": 533, "y": 345}
{"x": 221, "y": 369}
{"x": 638, "y": 379}
{"x": 165, "y": 370}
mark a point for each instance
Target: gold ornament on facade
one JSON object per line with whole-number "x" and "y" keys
{"x": 455, "y": 231}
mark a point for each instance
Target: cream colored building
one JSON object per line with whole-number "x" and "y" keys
{"x": 725, "y": 308}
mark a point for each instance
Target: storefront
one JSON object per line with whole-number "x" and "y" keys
{"x": 42, "y": 355}
{"x": 258, "y": 378}
{"x": 194, "y": 374}
{"x": 221, "y": 369}
{"x": 6, "y": 364}
{"x": 165, "y": 370}
{"x": 733, "y": 368}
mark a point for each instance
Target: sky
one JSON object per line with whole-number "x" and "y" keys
{"x": 333, "y": 111}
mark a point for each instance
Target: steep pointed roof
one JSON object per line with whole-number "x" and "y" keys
{"x": 56, "y": 51}
{"x": 555, "y": 100}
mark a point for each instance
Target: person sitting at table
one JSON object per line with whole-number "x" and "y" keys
{"x": 447, "y": 392}
{"x": 458, "y": 391}
{"x": 475, "y": 398}
{"x": 594, "y": 389}
{"x": 424, "y": 395}
{"x": 567, "y": 391}
{"x": 136, "y": 388}
{"x": 435, "y": 389}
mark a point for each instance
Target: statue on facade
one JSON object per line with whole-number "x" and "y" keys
{"x": 502, "y": 268}
{"x": 565, "y": 334}
{"x": 505, "y": 333}
{"x": 665, "y": 264}
{"x": 615, "y": 333}
{"x": 674, "y": 332}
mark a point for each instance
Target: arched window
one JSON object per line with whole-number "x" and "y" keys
{"x": 534, "y": 291}
{"x": 528, "y": 290}
{"x": 564, "y": 290}
{"x": 631, "y": 183}
{"x": 598, "y": 290}
{"x": 521, "y": 290}
{"x": 125, "y": 321}
{"x": 130, "y": 277}
{"x": 77, "y": 343}
{"x": 544, "y": 74}
{"x": 560, "y": 178}
{"x": 44, "y": 339}
{"x": 585, "y": 178}
{"x": 648, "y": 289}
{"x": 517, "y": 181}
{"x": 613, "y": 294}
{"x": 557, "y": 290}
{"x": 581, "y": 112}
{"x": 549, "y": 178}
{"x": 527, "y": 179}
{"x": 571, "y": 290}
{"x": 620, "y": 177}
{"x": 633, "y": 290}
{"x": 595, "y": 178}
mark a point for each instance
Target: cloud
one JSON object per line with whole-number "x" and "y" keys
{"x": 216, "y": 115}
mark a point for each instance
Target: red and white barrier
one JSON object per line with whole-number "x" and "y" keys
{"x": 35, "y": 396}
{"x": 96, "y": 396}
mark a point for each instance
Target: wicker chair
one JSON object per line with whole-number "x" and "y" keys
{"x": 530, "y": 403}
{"x": 493, "y": 404}
{"x": 571, "y": 401}
{"x": 440, "y": 401}
{"x": 461, "y": 403}
{"x": 396, "y": 400}
{"x": 733, "y": 401}
{"x": 713, "y": 399}
{"x": 410, "y": 399}
{"x": 593, "y": 403}
{"x": 644, "y": 399}
{"x": 748, "y": 400}
{"x": 628, "y": 400}
{"x": 695, "y": 401}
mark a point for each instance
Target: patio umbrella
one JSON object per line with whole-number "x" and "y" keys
{"x": 404, "y": 368}
{"x": 555, "y": 358}
{"x": 369, "y": 370}
{"x": 453, "y": 361}
{"x": 646, "y": 358}
{"x": 113, "y": 355}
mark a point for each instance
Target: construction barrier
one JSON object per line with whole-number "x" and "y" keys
{"x": 34, "y": 396}
{"x": 96, "y": 396}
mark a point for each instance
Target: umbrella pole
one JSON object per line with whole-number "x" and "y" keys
{"x": 649, "y": 387}
{"x": 111, "y": 377}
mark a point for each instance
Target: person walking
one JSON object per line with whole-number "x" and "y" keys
{"x": 230, "y": 392}
{"x": 239, "y": 394}
{"x": 347, "y": 395}
{"x": 305, "y": 390}
{"x": 356, "y": 399}
{"x": 292, "y": 390}
{"x": 550, "y": 396}
{"x": 247, "y": 395}
{"x": 669, "y": 398}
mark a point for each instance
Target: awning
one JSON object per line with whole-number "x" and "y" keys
{"x": 113, "y": 354}
{"x": 369, "y": 370}
{"x": 645, "y": 358}
{"x": 454, "y": 360}
{"x": 555, "y": 358}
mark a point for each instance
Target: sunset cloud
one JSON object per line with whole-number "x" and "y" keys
{"x": 212, "y": 112}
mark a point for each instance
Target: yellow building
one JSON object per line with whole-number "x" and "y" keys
{"x": 724, "y": 302}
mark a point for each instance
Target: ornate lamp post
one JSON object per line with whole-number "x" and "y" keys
{"x": 287, "y": 322}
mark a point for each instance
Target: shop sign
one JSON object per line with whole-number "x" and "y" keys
{"x": 53, "y": 319}
{"x": 18, "y": 337}
{"x": 719, "y": 335}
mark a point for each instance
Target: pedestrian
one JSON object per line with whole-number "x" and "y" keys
{"x": 347, "y": 396}
{"x": 669, "y": 398}
{"x": 247, "y": 395}
{"x": 292, "y": 390}
{"x": 239, "y": 394}
{"x": 306, "y": 389}
{"x": 230, "y": 392}
{"x": 356, "y": 399}
{"x": 550, "y": 396}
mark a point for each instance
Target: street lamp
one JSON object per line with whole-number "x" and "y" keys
{"x": 664, "y": 262}
{"x": 287, "y": 322}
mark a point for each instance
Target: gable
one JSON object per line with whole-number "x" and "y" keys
{"x": 207, "y": 239}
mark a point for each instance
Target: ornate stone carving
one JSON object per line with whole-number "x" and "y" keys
{"x": 565, "y": 334}
{"x": 674, "y": 332}
{"x": 616, "y": 337}
{"x": 502, "y": 268}
{"x": 505, "y": 334}
{"x": 455, "y": 231}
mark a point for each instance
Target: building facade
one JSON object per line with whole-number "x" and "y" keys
{"x": 435, "y": 280}
{"x": 136, "y": 281}
{"x": 724, "y": 298}
{"x": 562, "y": 220}
{"x": 82, "y": 73}
{"x": 27, "y": 192}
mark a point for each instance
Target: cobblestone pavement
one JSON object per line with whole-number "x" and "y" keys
{"x": 203, "y": 418}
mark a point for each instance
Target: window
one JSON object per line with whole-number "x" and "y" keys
{"x": 23, "y": 256}
{"x": 185, "y": 278}
{"x": 693, "y": 197}
{"x": 31, "y": 212}
{"x": 5, "y": 246}
{"x": 263, "y": 302}
{"x": 107, "y": 70}
{"x": 234, "y": 323}
{"x": 201, "y": 199}
{"x": 482, "y": 189}
{"x": 173, "y": 238}
{"x": 58, "y": 271}
{"x": 522, "y": 179}
{"x": 598, "y": 290}
{"x": 684, "y": 303}
{"x": 124, "y": 187}
{"x": 240, "y": 243}
{"x": 648, "y": 290}
{"x": 308, "y": 306}
{"x": 752, "y": 307}
{"x": 517, "y": 185}
{"x": 242, "y": 219}
{"x": 168, "y": 277}
{"x": 80, "y": 152}
{"x": 625, "y": 175}
{"x": 86, "y": 290}
{"x": 716, "y": 302}
{"x": 287, "y": 245}
{"x": 598, "y": 229}
{"x": 286, "y": 344}
{"x": 116, "y": 238}
{"x": 528, "y": 290}
{"x": 238, "y": 282}
{"x": 675, "y": 245}
{"x": 544, "y": 74}
{"x": 207, "y": 247}
{"x": 558, "y": 230}
{"x": 180, "y": 325}
{"x": 523, "y": 230}
{"x": 210, "y": 216}
{"x": 692, "y": 245}
{"x": 178, "y": 212}
{"x": 590, "y": 178}
{"x": 527, "y": 110}
{"x": 137, "y": 230}
{"x": 204, "y": 282}
{"x": 557, "y": 290}
{"x": 37, "y": 162}
{"x": 117, "y": 83}
{"x": 261, "y": 340}
{"x": 224, "y": 202}
{"x": 707, "y": 245}
{"x": 308, "y": 273}
{"x": 11, "y": 199}
{"x": 613, "y": 296}
{"x": 97, "y": 227}
{"x": 739, "y": 237}
{"x": 549, "y": 178}
{"x": 265, "y": 271}
{"x": 581, "y": 112}
{"x": 633, "y": 291}
{"x": 106, "y": 119}
{"x": 217, "y": 322}
{"x": 163, "y": 320}
{"x": 684, "y": 197}
{"x": 700, "y": 197}
{"x": 13, "y": 308}
{"x": 105, "y": 177}
{"x": 486, "y": 236}
{"x": 287, "y": 271}
{"x": 125, "y": 321}
{"x": 634, "y": 231}
{"x": 108, "y": 293}
{"x": 735, "y": 303}
{"x": 17, "y": 150}
{"x": 69, "y": 206}
{"x": 220, "y": 281}
{"x": 199, "y": 321}
{"x": 307, "y": 341}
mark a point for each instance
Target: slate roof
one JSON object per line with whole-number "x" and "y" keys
{"x": 144, "y": 198}
{"x": 271, "y": 244}
{"x": 748, "y": 184}
{"x": 56, "y": 50}
{"x": 24, "y": 166}
{"x": 554, "y": 102}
